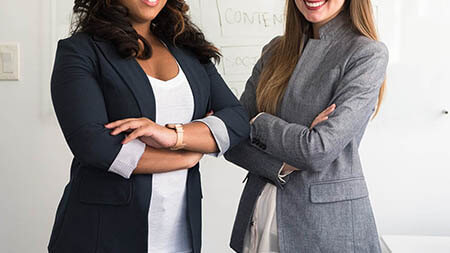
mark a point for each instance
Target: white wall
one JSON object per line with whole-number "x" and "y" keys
{"x": 405, "y": 151}
{"x": 34, "y": 159}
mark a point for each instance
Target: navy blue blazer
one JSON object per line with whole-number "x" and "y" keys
{"x": 92, "y": 85}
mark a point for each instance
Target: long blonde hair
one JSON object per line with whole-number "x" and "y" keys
{"x": 285, "y": 53}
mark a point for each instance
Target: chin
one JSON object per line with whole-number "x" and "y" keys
{"x": 145, "y": 17}
{"x": 317, "y": 11}
{"x": 147, "y": 10}
{"x": 315, "y": 18}
{"x": 151, "y": 17}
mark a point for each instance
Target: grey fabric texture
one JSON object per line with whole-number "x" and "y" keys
{"x": 247, "y": 155}
{"x": 325, "y": 206}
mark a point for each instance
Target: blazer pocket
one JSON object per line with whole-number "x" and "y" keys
{"x": 104, "y": 188}
{"x": 339, "y": 190}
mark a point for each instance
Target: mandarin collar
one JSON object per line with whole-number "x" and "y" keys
{"x": 334, "y": 26}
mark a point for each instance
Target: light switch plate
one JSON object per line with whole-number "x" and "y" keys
{"x": 9, "y": 61}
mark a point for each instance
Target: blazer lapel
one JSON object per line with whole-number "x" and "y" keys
{"x": 133, "y": 75}
{"x": 136, "y": 79}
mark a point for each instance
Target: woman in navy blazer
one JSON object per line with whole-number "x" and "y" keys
{"x": 104, "y": 102}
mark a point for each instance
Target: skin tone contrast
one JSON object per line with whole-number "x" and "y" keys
{"x": 158, "y": 158}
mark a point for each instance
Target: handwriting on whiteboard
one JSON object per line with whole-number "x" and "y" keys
{"x": 240, "y": 28}
{"x": 239, "y": 22}
{"x": 240, "y": 59}
{"x": 250, "y": 19}
{"x": 264, "y": 19}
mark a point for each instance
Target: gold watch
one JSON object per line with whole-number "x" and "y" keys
{"x": 178, "y": 127}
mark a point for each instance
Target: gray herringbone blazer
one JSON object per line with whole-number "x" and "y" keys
{"x": 325, "y": 206}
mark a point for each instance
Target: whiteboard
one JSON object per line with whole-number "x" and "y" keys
{"x": 406, "y": 150}
{"x": 240, "y": 29}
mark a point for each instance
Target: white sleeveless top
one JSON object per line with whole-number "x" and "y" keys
{"x": 169, "y": 230}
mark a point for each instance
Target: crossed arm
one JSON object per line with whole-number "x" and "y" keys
{"x": 83, "y": 121}
{"x": 213, "y": 134}
{"x": 274, "y": 142}
{"x": 198, "y": 139}
{"x": 148, "y": 143}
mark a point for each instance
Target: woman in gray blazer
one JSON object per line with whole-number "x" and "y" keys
{"x": 306, "y": 191}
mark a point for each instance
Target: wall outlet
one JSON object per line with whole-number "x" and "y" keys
{"x": 9, "y": 62}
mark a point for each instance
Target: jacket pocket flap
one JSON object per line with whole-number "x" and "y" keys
{"x": 105, "y": 188}
{"x": 335, "y": 191}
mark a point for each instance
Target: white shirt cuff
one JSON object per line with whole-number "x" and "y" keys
{"x": 126, "y": 161}
{"x": 282, "y": 175}
{"x": 219, "y": 132}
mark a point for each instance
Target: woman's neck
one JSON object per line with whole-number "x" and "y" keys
{"x": 142, "y": 29}
{"x": 316, "y": 27}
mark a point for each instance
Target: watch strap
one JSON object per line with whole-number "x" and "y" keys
{"x": 180, "y": 135}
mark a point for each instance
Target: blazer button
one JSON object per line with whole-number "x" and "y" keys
{"x": 252, "y": 223}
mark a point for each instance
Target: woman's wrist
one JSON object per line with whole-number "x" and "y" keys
{"x": 177, "y": 136}
{"x": 287, "y": 169}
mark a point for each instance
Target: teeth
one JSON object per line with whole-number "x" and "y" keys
{"x": 315, "y": 4}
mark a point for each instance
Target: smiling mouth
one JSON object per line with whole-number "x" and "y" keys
{"x": 314, "y": 5}
{"x": 151, "y": 2}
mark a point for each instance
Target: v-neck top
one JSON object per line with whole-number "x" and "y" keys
{"x": 168, "y": 227}
{"x": 167, "y": 217}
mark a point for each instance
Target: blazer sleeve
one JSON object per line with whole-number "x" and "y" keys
{"x": 227, "y": 109}
{"x": 219, "y": 131}
{"x": 79, "y": 105}
{"x": 246, "y": 155}
{"x": 355, "y": 97}
{"x": 128, "y": 158}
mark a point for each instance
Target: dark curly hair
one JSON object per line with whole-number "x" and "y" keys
{"x": 109, "y": 19}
